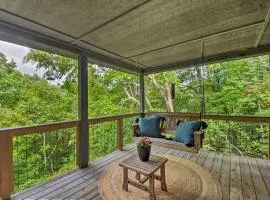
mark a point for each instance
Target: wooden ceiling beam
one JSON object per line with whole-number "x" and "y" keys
{"x": 263, "y": 29}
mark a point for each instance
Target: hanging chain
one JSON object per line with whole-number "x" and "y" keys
{"x": 202, "y": 112}
{"x": 138, "y": 96}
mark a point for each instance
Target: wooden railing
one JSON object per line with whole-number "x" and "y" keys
{"x": 119, "y": 119}
{"x": 245, "y": 121}
{"x": 7, "y": 135}
{"x": 6, "y": 153}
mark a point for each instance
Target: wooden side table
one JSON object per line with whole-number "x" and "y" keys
{"x": 147, "y": 169}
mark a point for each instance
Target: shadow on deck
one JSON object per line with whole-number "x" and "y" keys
{"x": 240, "y": 177}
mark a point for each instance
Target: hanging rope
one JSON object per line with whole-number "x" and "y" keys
{"x": 138, "y": 93}
{"x": 202, "y": 112}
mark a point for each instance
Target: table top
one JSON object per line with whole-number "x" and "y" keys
{"x": 147, "y": 168}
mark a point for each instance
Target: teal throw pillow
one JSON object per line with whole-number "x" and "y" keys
{"x": 150, "y": 127}
{"x": 185, "y": 130}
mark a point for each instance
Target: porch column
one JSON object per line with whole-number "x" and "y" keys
{"x": 83, "y": 129}
{"x": 269, "y": 122}
{"x": 142, "y": 94}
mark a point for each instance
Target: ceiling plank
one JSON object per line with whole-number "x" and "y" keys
{"x": 200, "y": 38}
{"x": 22, "y": 36}
{"x": 109, "y": 21}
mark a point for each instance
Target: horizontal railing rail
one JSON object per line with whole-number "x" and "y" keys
{"x": 47, "y": 127}
{"x": 247, "y": 118}
{"x": 248, "y": 134}
{"x": 26, "y": 130}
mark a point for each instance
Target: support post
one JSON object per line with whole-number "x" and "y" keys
{"x": 83, "y": 129}
{"x": 269, "y": 71}
{"x": 269, "y": 122}
{"x": 6, "y": 167}
{"x": 269, "y": 140}
{"x": 120, "y": 133}
{"x": 142, "y": 95}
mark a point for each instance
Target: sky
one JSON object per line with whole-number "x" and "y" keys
{"x": 17, "y": 53}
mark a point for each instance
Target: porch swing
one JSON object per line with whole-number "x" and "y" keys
{"x": 171, "y": 125}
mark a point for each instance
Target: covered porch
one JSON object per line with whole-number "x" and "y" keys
{"x": 140, "y": 37}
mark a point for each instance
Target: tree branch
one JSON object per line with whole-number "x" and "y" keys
{"x": 130, "y": 97}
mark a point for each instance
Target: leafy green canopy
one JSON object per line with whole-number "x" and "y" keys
{"x": 26, "y": 100}
{"x": 106, "y": 87}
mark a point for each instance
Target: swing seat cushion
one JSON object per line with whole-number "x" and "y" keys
{"x": 150, "y": 127}
{"x": 185, "y": 132}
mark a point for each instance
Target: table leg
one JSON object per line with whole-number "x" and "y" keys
{"x": 163, "y": 178}
{"x": 138, "y": 176}
{"x": 152, "y": 188}
{"x": 125, "y": 179}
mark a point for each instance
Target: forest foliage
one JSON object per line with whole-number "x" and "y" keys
{"x": 240, "y": 87}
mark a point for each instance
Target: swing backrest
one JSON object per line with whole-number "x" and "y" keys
{"x": 171, "y": 121}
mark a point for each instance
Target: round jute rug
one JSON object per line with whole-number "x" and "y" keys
{"x": 185, "y": 180}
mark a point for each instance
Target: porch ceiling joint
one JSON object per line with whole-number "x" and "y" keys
{"x": 121, "y": 58}
{"x": 263, "y": 29}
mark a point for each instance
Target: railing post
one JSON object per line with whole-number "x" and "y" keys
{"x": 83, "y": 130}
{"x": 6, "y": 166}
{"x": 120, "y": 133}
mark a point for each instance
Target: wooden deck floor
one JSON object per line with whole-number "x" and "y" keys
{"x": 241, "y": 178}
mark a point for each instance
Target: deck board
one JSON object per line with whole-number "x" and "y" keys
{"x": 181, "y": 154}
{"x": 209, "y": 161}
{"x": 259, "y": 184}
{"x": 187, "y": 155}
{"x": 240, "y": 178}
{"x": 216, "y": 168}
{"x": 195, "y": 156}
{"x": 247, "y": 182}
{"x": 202, "y": 158}
{"x": 225, "y": 177}
{"x": 265, "y": 171}
{"x": 236, "y": 184}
